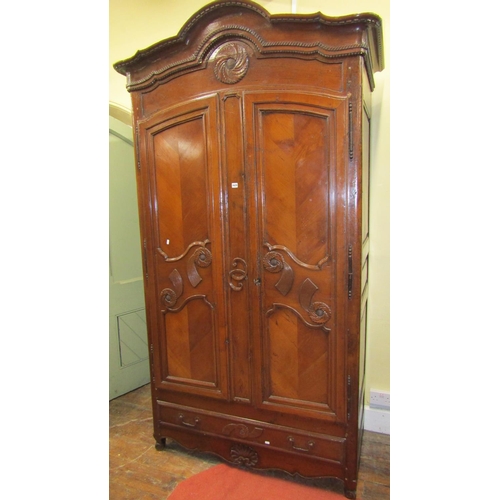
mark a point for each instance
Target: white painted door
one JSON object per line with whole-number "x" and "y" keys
{"x": 128, "y": 347}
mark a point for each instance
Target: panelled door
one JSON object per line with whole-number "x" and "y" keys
{"x": 296, "y": 152}
{"x": 247, "y": 236}
{"x": 180, "y": 154}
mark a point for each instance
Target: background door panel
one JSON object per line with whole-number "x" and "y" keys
{"x": 128, "y": 344}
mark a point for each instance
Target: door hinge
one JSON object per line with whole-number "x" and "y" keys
{"x": 349, "y": 395}
{"x": 137, "y": 147}
{"x": 349, "y": 272}
{"x": 145, "y": 259}
{"x": 351, "y": 142}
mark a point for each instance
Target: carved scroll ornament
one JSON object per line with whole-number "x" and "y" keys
{"x": 274, "y": 262}
{"x": 319, "y": 312}
{"x": 201, "y": 258}
{"x": 312, "y": 267}
{"x": 183, "y": 254}
{"x": 241, "y": 430}
{"x": 169, "y": 296}
{"x": 238, "y": 274}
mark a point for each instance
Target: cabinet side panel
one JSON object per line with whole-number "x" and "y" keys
{"x": 365, "y": 181}
{"x": 365, "y": 254}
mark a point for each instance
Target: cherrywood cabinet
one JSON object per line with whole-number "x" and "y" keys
{"x": 252, "y": 146}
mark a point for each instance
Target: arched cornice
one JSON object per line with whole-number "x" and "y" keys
{"x": 222, "y": 20}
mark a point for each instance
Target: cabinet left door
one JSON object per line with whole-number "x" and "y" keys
{"x": 179, "y": 184}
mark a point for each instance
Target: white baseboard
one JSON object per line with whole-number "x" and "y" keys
{"x": 377, "y": 420}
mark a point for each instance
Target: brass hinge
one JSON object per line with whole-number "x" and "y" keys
{"x": 349, "y": 272}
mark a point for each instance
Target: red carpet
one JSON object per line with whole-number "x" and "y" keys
{"x": 229, "y": 483}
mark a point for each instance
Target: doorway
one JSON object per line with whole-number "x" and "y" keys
{"x": 128, "y": 345}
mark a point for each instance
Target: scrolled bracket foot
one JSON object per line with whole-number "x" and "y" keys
{"x": 160, "y": 444}
{"x": 350, "y": 494}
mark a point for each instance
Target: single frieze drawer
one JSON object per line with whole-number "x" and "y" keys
{"x": 253, "y": 431}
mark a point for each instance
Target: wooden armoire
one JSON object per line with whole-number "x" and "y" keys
{"x": 252, "y": 135}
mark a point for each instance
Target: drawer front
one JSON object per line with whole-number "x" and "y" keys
{"x": 252, "y": 431}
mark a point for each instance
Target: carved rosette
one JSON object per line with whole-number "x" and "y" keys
{"x": 319, "y": 313}
{"x": 202, "y": 257}
{"x": 244, "y": 455}
{"x": 231, "y": 62}
{"x": 273, "y": 262}
{"x": 169, "y": 297}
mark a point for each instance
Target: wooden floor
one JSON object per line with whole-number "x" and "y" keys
{"x": 139, "y": 472}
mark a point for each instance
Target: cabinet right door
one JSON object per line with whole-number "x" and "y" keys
{"x": 296, "y": 168}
